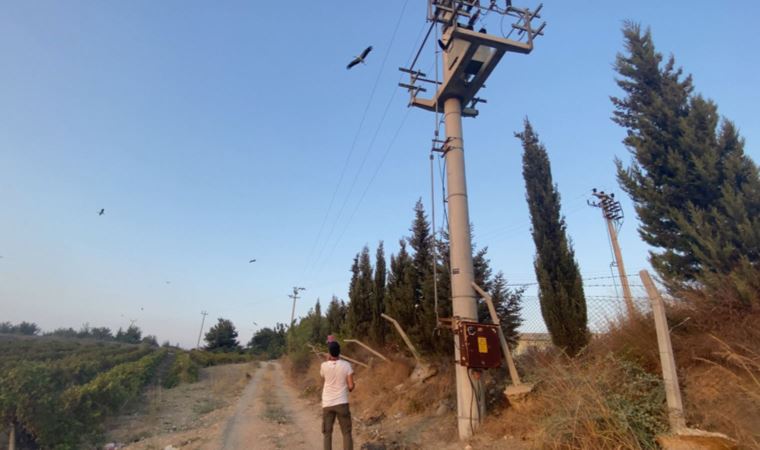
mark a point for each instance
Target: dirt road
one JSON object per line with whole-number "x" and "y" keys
{"x": 270, "y": 414}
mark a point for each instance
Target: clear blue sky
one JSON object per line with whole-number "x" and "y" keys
{"x": 213, "y": 133}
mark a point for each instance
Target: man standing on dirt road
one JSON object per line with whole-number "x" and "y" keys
{"x": 339, "y": 381}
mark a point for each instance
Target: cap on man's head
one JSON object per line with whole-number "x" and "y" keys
{"x": 334, "y": 349}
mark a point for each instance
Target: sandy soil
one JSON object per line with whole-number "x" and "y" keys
{"x": 189, "y": 416}
{"x": 232, "y": 407}
{"x": 270, "y": 415}
{"x": 242, "y": 407}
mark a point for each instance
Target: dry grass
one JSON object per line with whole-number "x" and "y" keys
{"x": 590, "y": 402}
{"x": 610, "y": 396}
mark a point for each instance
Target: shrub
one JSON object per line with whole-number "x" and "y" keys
{"x": 600, "y": 402}
{"x": 183, "y": 370}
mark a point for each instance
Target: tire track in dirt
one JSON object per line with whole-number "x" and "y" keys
{"x": 269, "y": 414}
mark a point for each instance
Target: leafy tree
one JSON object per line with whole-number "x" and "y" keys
{"x": 563, "y": 304}
{"x": 150, "y": 340}
{"x": 102, "y": 333}
{"x": 335, "y": 316}
{"x": 133, "y": 335}
{"x": 696, "y": 193}
{"x": 378, "y": 328}
{"x": 269, "y": 342}
{"x": 28, "y": 328}
{"x": 63, "y": 332}
{"x": 222, "y": 336}
{"x": 25, "y": 328}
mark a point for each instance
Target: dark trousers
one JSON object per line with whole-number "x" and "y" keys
{"x": 344, "y": 419}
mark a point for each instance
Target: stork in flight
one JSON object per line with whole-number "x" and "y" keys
{"x": 360, "y": 58}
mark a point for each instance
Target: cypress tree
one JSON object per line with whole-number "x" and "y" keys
{"x": 335, "y": 316}
{"x": 421, "y": 241}
{"x": 378, "y": 329}
{"x": 563, "y": 304}
{"x": 318, "y": 328}
{"x": 353, "y": 293}
{"x": 360, "y": 303}
{"x": 696, "y": 193}
{"x": 399, "y": 298}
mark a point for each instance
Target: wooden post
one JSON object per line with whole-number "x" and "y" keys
{"x": 370, "y": 349}
{"x": 669, "y": 376}
{"x": 403, "y": 336}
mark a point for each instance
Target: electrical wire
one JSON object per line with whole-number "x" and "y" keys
{"x": 435, "y": 240}
{"x": 432, "y": 188}
{"x": 361, "y": 198}
{"x": 369, "y": 184}
{"x": 355, "y": 140}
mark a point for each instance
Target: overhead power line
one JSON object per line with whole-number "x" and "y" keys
{"x": 310, "y": 260}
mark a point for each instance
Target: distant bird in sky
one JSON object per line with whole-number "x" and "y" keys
{"x": 168, "y": 282}
{"x": 252, "y": 261}
{"x": 102, "y": 211}
{"x": 360, "y": 58}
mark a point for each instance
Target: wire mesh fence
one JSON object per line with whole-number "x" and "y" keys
{"x": 605, "y": 305}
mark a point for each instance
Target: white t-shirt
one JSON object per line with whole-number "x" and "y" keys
{"x": 335, "y": 390}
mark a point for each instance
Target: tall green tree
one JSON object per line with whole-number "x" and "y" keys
{"x": 399, "y": 298}
{"x": 269, "y": 342}
{"x": 508, "y": 306}
{"x": 318, "y": 325}
{"x": 378, "y": 328}
{"x": 335, "y": 317}
{"x": 359, "y": 316}
{"x": 696, "y": 193}
{"x": 563, "y": 304}
{"x": 222, "y": 336}
{"x": 423, "y": 329}
{"x": 133, "y": 335}
{"x": 481, "y": 267}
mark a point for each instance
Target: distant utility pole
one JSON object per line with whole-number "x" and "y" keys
{"x": 200, "y": 333}
{"x": 469, "y": 57}
{"x": 613, "y": 215}
{"x": 294, "y": 296}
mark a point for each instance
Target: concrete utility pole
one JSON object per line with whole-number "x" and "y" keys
{"x": 294, "y": 296}
{"x": 469, "y": 57}
{"x": 200, "y": 333}
{"x": 613, "y": 215}
{"x": 667, "y": 360}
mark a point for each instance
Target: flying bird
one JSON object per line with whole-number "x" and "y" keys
{"x": 360, "y": 58}
{"x": 252, "y": 261}
{"x": 168, "y": 282}
{"x": 102, "y": 211}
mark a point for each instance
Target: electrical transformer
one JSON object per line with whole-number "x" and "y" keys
{"x": 479, "y": 345}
